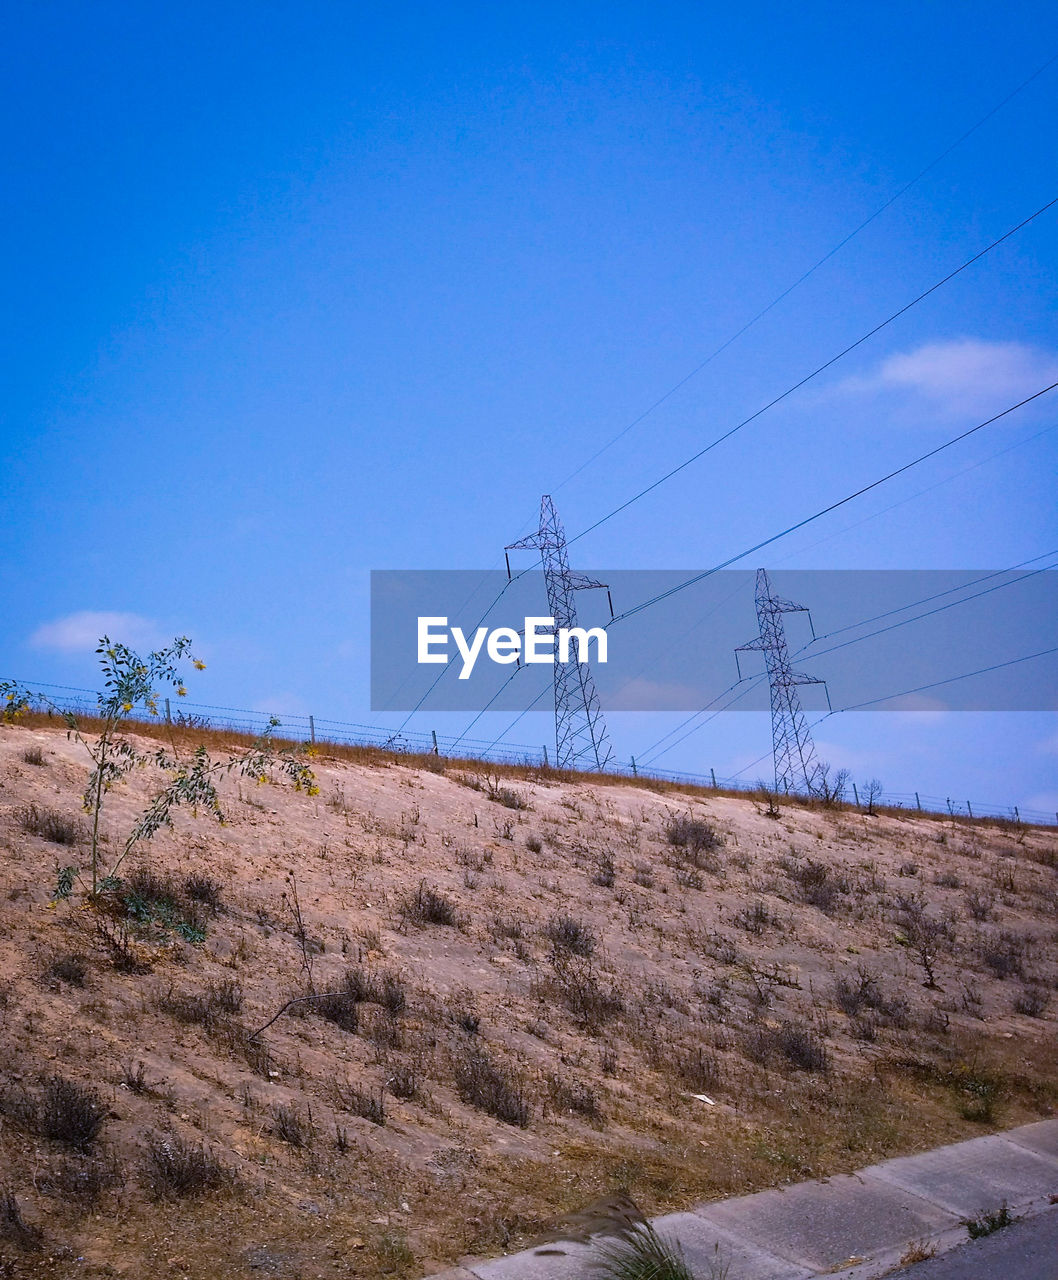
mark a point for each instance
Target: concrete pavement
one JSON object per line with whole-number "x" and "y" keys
{"x": 851, "y": 1227}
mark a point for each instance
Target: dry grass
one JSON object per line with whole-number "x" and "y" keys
{"x": 523, "y": 1003}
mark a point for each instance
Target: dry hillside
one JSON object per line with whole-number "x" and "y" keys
{"x": 540, "y": 989}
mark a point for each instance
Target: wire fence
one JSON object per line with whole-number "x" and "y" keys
{"x": 321, "y": 730}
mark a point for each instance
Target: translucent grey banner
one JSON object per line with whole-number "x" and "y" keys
{"x": 895, "y": 640}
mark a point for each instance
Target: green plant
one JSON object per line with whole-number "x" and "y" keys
{"x": 64, "y": 881}
{"x": 986, "y": 1223}
{"x": 642, "y": 1253}
{"x": 131, "y": 683}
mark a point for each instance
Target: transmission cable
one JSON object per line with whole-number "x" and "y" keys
{"x": 815, "y": 372}
{"x": 800, "y": 524}
{"x": 811, "y": 271}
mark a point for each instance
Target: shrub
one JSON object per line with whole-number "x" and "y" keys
{"x": 574, "y": 1096}
{"x": 13, "y": 1226}
{"x": 987, "y": 1223}
{"x": 386, "y": 989}
{"x": 1004, "y": 953}
{"x": 340, "y": 1008}
{"x": 695, "y": 838}
{"x": 289, "y": 1127}
{"x": 71, "y": 969}
{"x": 204, "y": 1007}
{"x": 642, "y": 1254}
{"x": 567, "y": 934}
{"x": 428, "y": 906}
{"x": 865, "y": 993}
{"x": 69, "y": 1112}
{"x": 201, "y": 888}
{"x": 755, "y": 918}
{"x": 134, "y": 1077}
{"x": 1031, "y": 1001}
{"x": 49, "y": 824}
{"x": 172, "y": 1166}
{"x": 818, "y": 885}
{"x": 577, "y": 986}
{"x": 696, "y": 1067}
{"x": 686, "y": 832}
{"x": 403, "y": 1081}
{"x": 492, "y": 1088}
{"x": 83, "y": 1179}
{"x": 533, "y": 844}
{"x": 605, "y": 872}
{"x": 799, "y": 1045}
{"x": 929, "y": 937}
{"x": 981, "y": 906}
{"x": 508, "y": 797}
{"x": 34, "y": 755}
{"x": 362, "y": 1102}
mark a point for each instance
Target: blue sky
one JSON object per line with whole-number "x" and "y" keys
{"x": 296, "y": 292}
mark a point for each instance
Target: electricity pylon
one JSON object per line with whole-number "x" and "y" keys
{"x": 581, "y": 741}
{"x": 792, "y": 747}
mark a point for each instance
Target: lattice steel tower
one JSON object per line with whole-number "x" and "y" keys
{"x": 581, "y": 741}
{"x": 792, "y": 747}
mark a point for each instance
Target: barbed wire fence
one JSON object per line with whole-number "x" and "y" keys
{"x": 312, "y": 729}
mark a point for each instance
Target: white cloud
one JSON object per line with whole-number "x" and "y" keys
{"x": 963, "y": 377}
{"x": 80, "y": 632}
{"x": 653, "y": 695}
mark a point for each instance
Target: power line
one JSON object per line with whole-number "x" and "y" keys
{"x": 647, "y": 755}
{"x": 811, "y": 271}
{"x": 922, "y": 492}
{"x": 919, "y": 616}
{"x": 750, "y": 686}
{"x": 936, "y": 684}
{"x": 815, "y": 372}
{"x": 800, "y": 524}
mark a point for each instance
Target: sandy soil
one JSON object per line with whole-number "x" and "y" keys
{"x": 683, "y": 1022}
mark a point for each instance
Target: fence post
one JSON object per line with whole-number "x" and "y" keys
{"x": 635, "y": 771}
{"x": 951, "y": 811}
{"x": 547, "y": 763}
{"x": 968, "y": 809}
{"x": 312, "y": 731}
{"x": 856, "y": 795}
{"x": 1017, "y": 816}
{"x": 712, "y": 774}
{"x": 918, "y": 803}
{"x": 434, "y": 733}
{"x": 168, "y": 715}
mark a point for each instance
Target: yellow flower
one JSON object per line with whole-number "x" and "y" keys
{"x": 126, "y": 706}
{"x": 199, "y": 666}
{"x": 181, "y": 691}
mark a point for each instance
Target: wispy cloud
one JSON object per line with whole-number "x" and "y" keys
{"x": 80, "y": 632}
{"x": 963, "y": 377}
